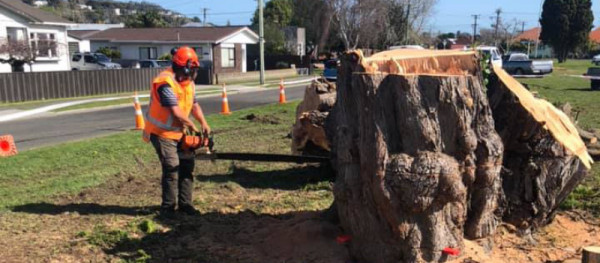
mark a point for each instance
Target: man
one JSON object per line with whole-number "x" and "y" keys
{"x": 171, "y": 102}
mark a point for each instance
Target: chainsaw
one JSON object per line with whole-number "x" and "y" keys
{"x": 201, "y": 145}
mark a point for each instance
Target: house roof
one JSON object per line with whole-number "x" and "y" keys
{"x": 530, "y": 35}
{"x": 595, "y": 35}
{"x": 170, "y": 34}
{"x": 31, "y": 13}
{"x": 81, "y": 34}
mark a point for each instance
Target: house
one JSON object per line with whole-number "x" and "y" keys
{"x": 222, "y": 47}
{"x": 40, "y": 3}
{"x": 78, "y": 33}
{"x": 535, "y": 47}
{"x": 85, "y": 7}
{"x": 116, "y": 11}
{"x": 595, "y": 36}
{"x": 295, "y": 40}
{"x": 43, "y": 30}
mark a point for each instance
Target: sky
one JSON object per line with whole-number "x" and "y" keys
{"x": 448, "y": 15}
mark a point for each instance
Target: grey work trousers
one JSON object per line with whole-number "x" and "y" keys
{"x": 177, "y": 173}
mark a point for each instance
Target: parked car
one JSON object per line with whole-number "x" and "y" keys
{"x": 520, "y": 64}
{"x": 493, "y": 52}
{"x": 595, "y": 73}
{"x": 596, "y": 60}
{"x": 151, "y": 63}
{"x": 91, "y": 61}
{"x": 128, "y": 63}
{"x": 331, "y": 70}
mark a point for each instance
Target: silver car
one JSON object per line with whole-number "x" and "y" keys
{"x": 92, "y": 61}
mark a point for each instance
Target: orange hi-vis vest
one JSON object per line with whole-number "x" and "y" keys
{"x": 160, "y": 120}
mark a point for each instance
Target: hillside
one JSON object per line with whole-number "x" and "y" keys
{"x": 133, "y": 14}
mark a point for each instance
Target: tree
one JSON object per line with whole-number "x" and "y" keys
{"x": 196, "y": 19}
{"x": 355, "y": 19}
{"x": 277, "y": 15}
{"x": 566, "y": 25}
{"x": 146, "y": 19}
{"x": 17, "y": 54}
{"x": 276, "y": 12}
{"x": 54, "y": 3}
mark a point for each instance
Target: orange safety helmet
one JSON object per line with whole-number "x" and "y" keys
{"x": 185, "y": 57}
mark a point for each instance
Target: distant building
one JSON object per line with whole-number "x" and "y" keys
{"x": 78, "y": 35}
{"x": 222, "y": 47}
{"x": 295, "y": 40}
{"x": 198, "y": 24}
{"x": 85, "y": 7}
{"x": 116, "y": 11}
{"x": 531, "y": 39}
{"x": 40, "y": 3}
{"x": 44, "y": 30}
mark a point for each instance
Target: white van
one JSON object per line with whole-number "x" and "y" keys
{"x": 493, "y": 52}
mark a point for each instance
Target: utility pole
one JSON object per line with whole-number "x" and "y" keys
{"x": 496, "y": 26}
{"x": 261, "y": 40}
{"x": 204, "y": 16}
{"x": 475, "y": 17}
{"x": 522, "y": 27}
{"x": 406, "y": 42}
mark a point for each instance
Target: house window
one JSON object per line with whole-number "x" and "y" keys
{"x": 148, "y": 53}
{"x": 44, "y": 44}
{"x": 15, "y": 34}
{"x": 227, "y": 57}
{"x": 199, "y": 52}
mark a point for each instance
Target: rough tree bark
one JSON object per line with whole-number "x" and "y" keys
{"x": 539, "y": 172}
{"x": 308, "y": 134}
{"x": 418, "y": 156}
{"x": 411, "y": 152}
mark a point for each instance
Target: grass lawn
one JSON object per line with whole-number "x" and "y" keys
{"x": 559, "y": 88}
{"x": 95, "y": 200}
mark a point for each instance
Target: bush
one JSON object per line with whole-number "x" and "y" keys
{"x": 111, "y": 53}
{"x": 165, "y": 56}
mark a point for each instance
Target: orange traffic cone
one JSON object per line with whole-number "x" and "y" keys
{"x": 282, "y": 93}
{"x": 225, "y": 102}
{"x": 7, "y": 146}
{"x": 139, "y": 117}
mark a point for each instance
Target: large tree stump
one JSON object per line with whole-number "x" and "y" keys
{"x": 411, "y": 152}
{"x": 540, "y": 169}
{"x": 418, "y": 155}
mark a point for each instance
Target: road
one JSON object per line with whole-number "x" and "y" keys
{"x": 64, "y": 127}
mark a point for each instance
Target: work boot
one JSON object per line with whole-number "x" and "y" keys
{"x": 189, "y": 210}
{"x": 167, "y": 213}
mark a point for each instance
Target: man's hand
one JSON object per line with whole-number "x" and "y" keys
{"x": 194, "y": 128}
{"x": 206, "y": 130}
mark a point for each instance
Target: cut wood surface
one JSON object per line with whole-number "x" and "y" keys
{"x": 539, "y": 172}
{"x": 559, "y": 124}
{"x": 590, "y": 255}
{"x": 418, "y": 154}
{"x": 308, "y": 134}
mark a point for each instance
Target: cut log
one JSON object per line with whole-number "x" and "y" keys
{"x": 411, "y": 152}
{"x": 544, "y": 157}
{"x": 590, "y": 255}
{"x": 418, "y": 154}
{"x": 308, "y": 134}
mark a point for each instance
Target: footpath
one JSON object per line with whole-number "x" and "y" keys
{"x": 14, "y": 111}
